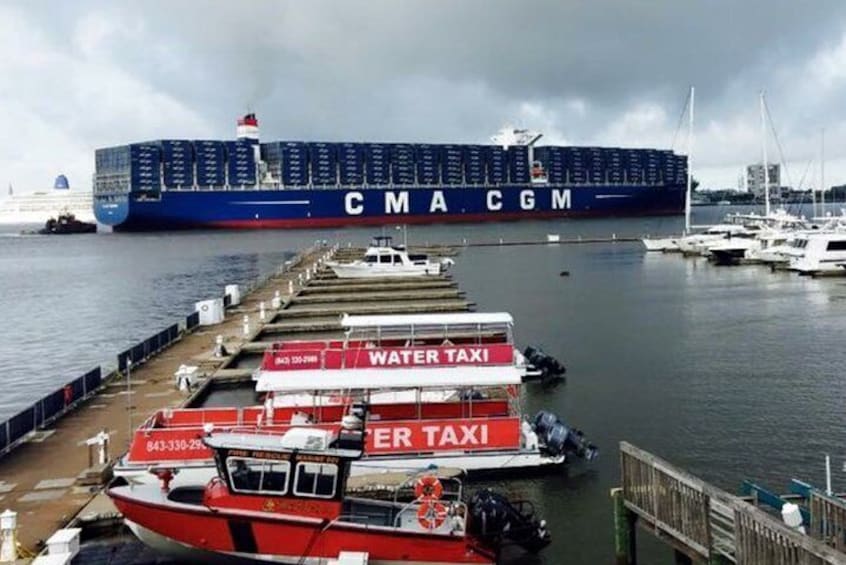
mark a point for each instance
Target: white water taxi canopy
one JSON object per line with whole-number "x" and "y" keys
{"x": 430, "y": 325}
{"x": 402, "y": 320}
{"x": 380, "y": 379}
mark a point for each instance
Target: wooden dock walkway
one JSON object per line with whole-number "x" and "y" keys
{"x": 39, "y": 479}
{"x": 704, "y": 524}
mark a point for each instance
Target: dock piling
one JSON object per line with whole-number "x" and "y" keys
{"x": 625, "y": 547}
{"x": 246, "y": 325}
{"x": 262, "y": 314}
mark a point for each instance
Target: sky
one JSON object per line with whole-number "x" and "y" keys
{"x": 81, "y": 75}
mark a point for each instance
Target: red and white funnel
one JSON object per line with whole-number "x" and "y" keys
{"x": 248, "y": 127}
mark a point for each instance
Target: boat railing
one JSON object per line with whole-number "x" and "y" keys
{"x": 452, "y": 508}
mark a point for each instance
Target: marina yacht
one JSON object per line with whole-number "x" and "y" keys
{"x": 696, "y": 244}
{"x": 384, "y": 259}
{"x": 759, "y": 232}
{"x": 283, "y": 499}
{"x": 666, "y": 244}
{"x": 819, "y": 252}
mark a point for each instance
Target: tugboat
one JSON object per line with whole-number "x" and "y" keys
{"x": 282, "y": 499}
{"x": 66, "y": 223}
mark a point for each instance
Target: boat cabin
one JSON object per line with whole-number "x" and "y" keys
{"x": 304, "y": 464}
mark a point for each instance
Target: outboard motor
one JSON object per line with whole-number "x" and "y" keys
{"x": 497, "y": 520}
{"x": 551, "y": 369}
{"x": 560, "y": 439}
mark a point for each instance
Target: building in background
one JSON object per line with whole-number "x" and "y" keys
{"x": 755, "y": 180}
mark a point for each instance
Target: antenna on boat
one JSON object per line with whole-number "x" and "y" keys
{"x": 689, "y": 165}
{"x": 828, "y": 490}
{"x": 764, "y": 155}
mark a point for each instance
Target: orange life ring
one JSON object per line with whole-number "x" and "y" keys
{"x": 431, "y": 514}
{"x": 428, "y": 487}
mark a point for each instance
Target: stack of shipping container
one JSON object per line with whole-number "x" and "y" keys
{"x": 145, "y": 167}
{"x": 241, "y": 163}
{"x": 518, "y": 164}
{"x": 402, "y": 164}
{"x": 210, "y": 157}
{"x": 351, "y": 163}
{"x": 452, "y": 171}
{"x": 612, "y": 162}
{"x": 177, "y": 163}
{"x": 651, "y": 161}
{"x": 294, "y": 163}
{"x": 633, "y": 165}
{"x": 377, "y": 164}
{"x": 496, "y": 160}
{"x": 428, "y": 159}
{"x": 184, "y": 164}
{"x": 473, "y": 157}
{"x": 323, "y": 158}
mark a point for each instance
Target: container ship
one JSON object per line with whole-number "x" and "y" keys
{"x": 245, "y": 183}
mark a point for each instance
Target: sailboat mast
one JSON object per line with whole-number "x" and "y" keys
{"x": 688, "y": 194}
{"x": 764, "y": 155}
{"x": 822, "y": 172}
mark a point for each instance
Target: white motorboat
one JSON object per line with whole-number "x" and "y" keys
{"x": 734, "y": 250}
{"x": 383, "y": 259}
{"x": 696, "y": 244}
{"x": 821, "y": 253}
{"x": 665, "y": 244}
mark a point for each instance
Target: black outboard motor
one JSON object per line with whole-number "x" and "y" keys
{"x": 558, "y": 438}
{"x": 497, "y": 520}
{"x": 551, "y": 369}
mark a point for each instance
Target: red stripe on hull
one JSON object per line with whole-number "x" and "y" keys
{"x": 275, "y": 535}
{"x": 307, "y": 223}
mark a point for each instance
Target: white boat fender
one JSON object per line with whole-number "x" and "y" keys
{"x": 792, "y": 517}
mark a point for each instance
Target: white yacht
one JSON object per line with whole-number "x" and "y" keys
{"x": 665, "y": 244}
{"x": 383, "y": 259}
{"x": 696, "y": 244}
{"x": 822, "y": 252}
{"x": 38, "y": 207}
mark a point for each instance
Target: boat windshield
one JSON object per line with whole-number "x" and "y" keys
{"x": 258, "y": 476}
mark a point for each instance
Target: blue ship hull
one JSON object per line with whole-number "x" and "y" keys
{"x": 334, "y": 207}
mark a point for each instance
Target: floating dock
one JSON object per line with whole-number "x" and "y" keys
{"x": 53, "y": 479}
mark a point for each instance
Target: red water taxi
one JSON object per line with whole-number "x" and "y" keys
{"x": 281, "y": 498}
{"x": 414, "y": 341}
{"x": 478, "y": 426}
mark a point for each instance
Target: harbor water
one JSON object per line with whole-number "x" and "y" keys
{"x": 730, "y": 372}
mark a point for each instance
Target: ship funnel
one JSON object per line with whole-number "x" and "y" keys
{"x": 248, "y": 127}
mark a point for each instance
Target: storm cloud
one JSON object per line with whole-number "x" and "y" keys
{"x": 81, "y": 75}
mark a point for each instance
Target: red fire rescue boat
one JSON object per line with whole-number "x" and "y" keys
{"x": 281, "y": 498}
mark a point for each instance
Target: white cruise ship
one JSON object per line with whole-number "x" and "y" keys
{"x": 38, "y": 207}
